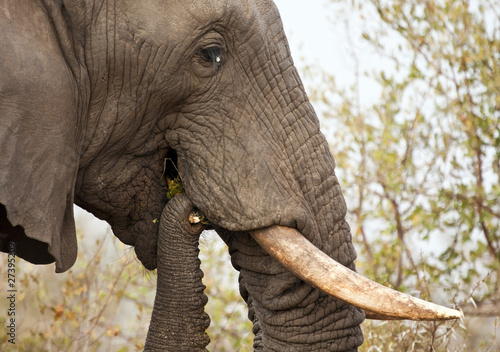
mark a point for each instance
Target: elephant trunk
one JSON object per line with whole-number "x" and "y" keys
{"x": 288, "y": 313}
{"x": 178, "y": 322}
{"x": 288, "y": 309}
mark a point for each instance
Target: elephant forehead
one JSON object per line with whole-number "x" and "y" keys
{"x": 181, "y": 19}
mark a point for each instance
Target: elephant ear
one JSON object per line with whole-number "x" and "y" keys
{"x": 38, "y": 141}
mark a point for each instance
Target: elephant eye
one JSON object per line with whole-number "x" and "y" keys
{"x": 213, "y": 55}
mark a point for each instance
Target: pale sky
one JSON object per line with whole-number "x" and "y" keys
{"x": 328, "y": 34}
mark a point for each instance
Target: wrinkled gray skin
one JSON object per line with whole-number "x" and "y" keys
{"x": 179, "y": 321}
{"x": 98, "y": 101}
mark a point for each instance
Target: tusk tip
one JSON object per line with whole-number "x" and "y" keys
{"x": 438, "y": 313}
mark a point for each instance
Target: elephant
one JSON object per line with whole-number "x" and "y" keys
{"x": 103, "y": 101}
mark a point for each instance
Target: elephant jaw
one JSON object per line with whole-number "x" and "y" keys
{"x": 310, "y": 264}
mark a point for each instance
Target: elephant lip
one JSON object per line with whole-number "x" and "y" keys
{"x": 307, "y": 262}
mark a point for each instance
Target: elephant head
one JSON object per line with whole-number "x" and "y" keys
{"x": 101, "y": 101}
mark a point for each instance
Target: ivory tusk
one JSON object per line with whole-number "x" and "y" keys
{"x": 307, "y": 262}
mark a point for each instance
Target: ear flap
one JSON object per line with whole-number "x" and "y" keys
{"x": 38, "y": 141}
{"x": 37, "y": 180}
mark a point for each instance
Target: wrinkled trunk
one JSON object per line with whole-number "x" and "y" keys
{"x": 179, "y": 321}
{"x": 287, "y": 313}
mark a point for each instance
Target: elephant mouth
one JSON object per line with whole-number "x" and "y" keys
{"x": 289, "y": 247}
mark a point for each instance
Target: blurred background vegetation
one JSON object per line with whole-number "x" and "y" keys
{"x": 420, "y": 172}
